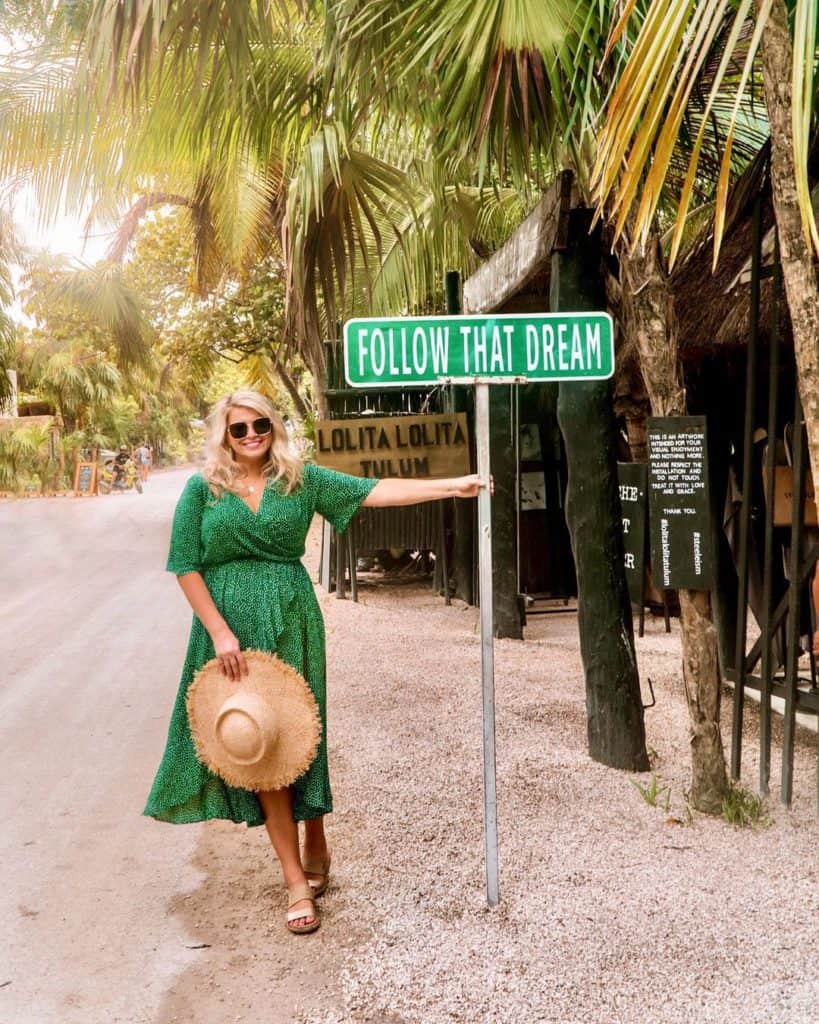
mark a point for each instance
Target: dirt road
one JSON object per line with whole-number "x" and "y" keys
{"x": 613, "y": 910}
{"x": 98, "y": 905}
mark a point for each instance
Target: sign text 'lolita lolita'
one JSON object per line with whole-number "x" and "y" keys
{"x": 388, "y": 446}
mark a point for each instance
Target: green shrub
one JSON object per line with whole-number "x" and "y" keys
{"x": 742, "y": 808}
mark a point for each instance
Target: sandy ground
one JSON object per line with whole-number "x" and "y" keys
{"x": 612, "y": 912}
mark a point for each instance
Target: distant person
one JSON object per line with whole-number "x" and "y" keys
{"x": 121, "y": 460}
{"x": 143, "y": 460}
{"x": 236, "y": 547}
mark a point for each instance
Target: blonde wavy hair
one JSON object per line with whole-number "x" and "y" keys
{"x": 221, "y": 469}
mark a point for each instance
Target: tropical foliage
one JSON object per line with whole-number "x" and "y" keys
{"x": 108, "y": 386}
{"x": 247, "y": 130}
{"x": 25, "y": 459}
{"x": 344, "y": 153}
{"x": 679, "y": 47}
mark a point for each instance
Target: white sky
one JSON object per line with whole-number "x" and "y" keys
{"x": 66, "y": 235}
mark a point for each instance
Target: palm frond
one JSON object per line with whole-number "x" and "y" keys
{"x": 496, "y": 80}
{"x": 99, "y": 294}
{"x": 454, "y": 226}
{"x": 340, "y": 200}
{"x": 127, "y": 39}
{"x": 679, "y": 49}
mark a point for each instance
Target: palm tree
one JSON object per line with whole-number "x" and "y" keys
{"x": 78, "y": 298}
{"x": 75, "y": 377}
{"x": 504, "y": 91}
{"x": 249, "y": 138}
{"x": 643, "y": 123}
{"x": 494, "y": 86}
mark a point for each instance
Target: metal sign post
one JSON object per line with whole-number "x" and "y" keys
{"x": 490, "y": 792}
{"x": 490, "y": 796}
{"x": 480, "y": 351}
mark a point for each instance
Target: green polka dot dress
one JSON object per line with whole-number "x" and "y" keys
{"x": 251, "y": 563}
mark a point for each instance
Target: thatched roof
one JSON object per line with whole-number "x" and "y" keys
{"x": 714, "y": 308}
{"x": 519, "y": 272}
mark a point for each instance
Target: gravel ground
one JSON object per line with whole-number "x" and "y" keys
{"x": 612, "y": 910}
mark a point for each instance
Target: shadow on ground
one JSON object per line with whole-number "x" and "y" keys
{"x": 244, "y": 965}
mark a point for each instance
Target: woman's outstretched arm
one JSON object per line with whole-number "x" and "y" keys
{"x": 412, "y": 491}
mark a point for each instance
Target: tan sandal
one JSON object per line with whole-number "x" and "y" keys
{"x": 318, "y": 866}
{"x": 295, "y": 894}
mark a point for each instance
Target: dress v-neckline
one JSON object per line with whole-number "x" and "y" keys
{"x": 248, "y": 506}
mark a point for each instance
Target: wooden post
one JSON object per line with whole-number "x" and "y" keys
{"x": 616, "y": 733}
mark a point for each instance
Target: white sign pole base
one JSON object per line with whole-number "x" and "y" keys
{"x": 490, "y": 799}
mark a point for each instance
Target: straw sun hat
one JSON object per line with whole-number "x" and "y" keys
{"x": 261, "y": 732}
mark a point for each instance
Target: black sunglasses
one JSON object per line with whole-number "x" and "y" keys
{"x": 261, "y": 426}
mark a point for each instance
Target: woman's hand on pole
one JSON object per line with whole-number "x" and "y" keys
{"x": 229, "y": 653}
{"x": 470, "y": 486}
{"x": 412, "y": 490}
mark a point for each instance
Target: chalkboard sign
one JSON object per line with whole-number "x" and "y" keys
{"x": 679, "y": 512}
{"x": 632, "y": 478}
{"x": 85, "y": 479}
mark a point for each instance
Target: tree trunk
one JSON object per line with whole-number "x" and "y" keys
{"x": 614, "y": 708}
{"x": 649, "y": 317}
{"x": 298, "y": 402}
{"x": 795, "y": 250}
{"x": 318, "y": 371}
{"x": 701, "y": 678}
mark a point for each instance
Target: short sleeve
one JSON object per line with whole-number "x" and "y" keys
{"x": 338, "y": 496}
{"x": 185, "y": 554}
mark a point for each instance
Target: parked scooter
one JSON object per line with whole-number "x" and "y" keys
{"x": 118, "y": 476}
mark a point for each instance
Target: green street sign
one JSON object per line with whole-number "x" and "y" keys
{"x": 422, "y": 350}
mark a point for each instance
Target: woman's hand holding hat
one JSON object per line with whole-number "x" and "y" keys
{"x": 260, "y": 732}
{"x": 229, "y": 654}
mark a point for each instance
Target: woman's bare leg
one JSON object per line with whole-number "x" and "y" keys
{"x": 315, "y": 843}
{"x": 277, "y": 805}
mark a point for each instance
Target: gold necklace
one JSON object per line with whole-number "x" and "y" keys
{"x": 251, "y": 488}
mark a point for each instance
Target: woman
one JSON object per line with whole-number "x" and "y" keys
{"x": 236, "y": 546}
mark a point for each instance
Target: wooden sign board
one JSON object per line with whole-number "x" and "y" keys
{"x": 85, "y": 479}
{"x": 423, "y": 446}
{"x": 783, "y": 497}
{"x": 632, "y": 478}
{"x": 679, "y": 508}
